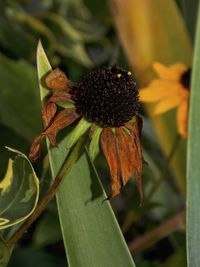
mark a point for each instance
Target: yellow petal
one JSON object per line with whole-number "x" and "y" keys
{"x": 151, "y": 94}
{"x": 178, "y": 68}
{"x": 167, "y": 104}
{"x": 159, "y": 89}
{"x": 166, "y": 73}
{"x": 182, "y": 118}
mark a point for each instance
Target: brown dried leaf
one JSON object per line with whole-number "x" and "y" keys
{"x": 109, "y": 146}
{"x": 57, "y": 80}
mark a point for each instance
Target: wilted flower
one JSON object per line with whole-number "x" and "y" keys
{"x": 105, "y": 103}
{"x": 170, "y": 90}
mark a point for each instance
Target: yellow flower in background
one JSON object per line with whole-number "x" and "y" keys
{"x": 170, "y": 90}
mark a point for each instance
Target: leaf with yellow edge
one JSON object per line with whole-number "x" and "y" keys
{"x": 19, "y": 191}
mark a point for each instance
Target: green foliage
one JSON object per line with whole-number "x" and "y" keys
{"x": 80, "y": 35}
{"x": 88, "y": 224}
{"x": 193, "y": 167}
{"x": 19, "y": 191}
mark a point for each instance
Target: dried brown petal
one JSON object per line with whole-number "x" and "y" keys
{"x": 49, "y": 109}
{"x": 57, "y": 80}
{"x": 127, "y": 157}
{"x": 109, "y": 146}
{"x": 48, "y": 112}
{"x": 135, "y": 129}
{"x": 60, "y": 121}
{"x": 35, "y": 149}
{"x": 61, "y": 96}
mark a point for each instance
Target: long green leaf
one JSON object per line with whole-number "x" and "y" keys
{"x": 90, "y": 231}
{"x": 193, "y": 167}
{"x": 189, "y": 9}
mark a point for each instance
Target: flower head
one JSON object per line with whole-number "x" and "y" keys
{"x": 105, "y": 103}
{"x": 170, "y": 90}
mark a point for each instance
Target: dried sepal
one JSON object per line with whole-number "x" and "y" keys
{"x": 60, "y": 121}
{"x": 109, "y": 146}
{"x": 57, "y": 80}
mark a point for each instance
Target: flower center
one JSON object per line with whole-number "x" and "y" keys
{"x": 108, "y": 97}
{"x": 185, "y": 79}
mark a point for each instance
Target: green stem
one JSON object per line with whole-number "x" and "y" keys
{"x": 65, "y": 169}
{"x": 164, "y": 169}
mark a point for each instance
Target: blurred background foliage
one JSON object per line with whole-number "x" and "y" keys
{"x": 79, "y": 36}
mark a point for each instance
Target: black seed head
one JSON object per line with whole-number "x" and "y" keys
{"x": 185, "y": 79}
{"x": 108, "y": 97}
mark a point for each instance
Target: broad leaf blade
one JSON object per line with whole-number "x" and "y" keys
{"x": 18, "y": 97}
{"x": 193, "y": 167}
{"x": 90, "y": 231}
{"x": 19, "y": 191}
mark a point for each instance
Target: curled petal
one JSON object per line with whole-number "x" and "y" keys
{"x": 109, "y": 146}
{"x": 49, "y": 109}
{"x": 48, "y": 112}
{"x": 60, "y": 121}
{"x": 137, "y": 162}
{"x": 57, "y": 80}
{"x": 35, "y": 149}
{"x": 61, "y": 96}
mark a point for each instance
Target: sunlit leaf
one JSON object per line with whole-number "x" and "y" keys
{"x": 19, "y": 191}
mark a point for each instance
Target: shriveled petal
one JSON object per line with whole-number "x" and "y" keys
{"x": 57, "y": 80}
{"x": 48, "y": 112}
{"x": 109, "y": 146}
{"x": 127, "y": 157}
{"x": 135, "y": 130}
{"x": 167, "y": 104}
{"x": 49, "y": 109}
{"x": 182, "y": 118}
{"x": 167, "y": 72}
{"x": 60, "y": 121}
{"x": 61, "y": 96}
{"x": 35, "y": 149}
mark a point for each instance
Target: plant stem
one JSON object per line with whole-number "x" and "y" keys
{"x": 177, "y": 222}
{"x": 66, "y": 167}
{"x": 164, "y": 169}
